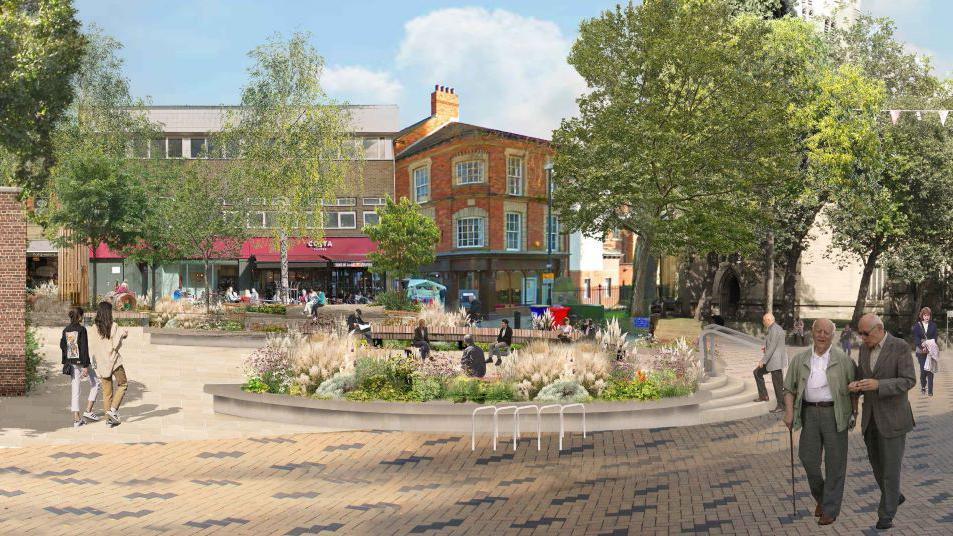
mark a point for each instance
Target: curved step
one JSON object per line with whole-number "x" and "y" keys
{"x": 742, "y": 396}
{"x": 735, "y": 413}
{"x": 713, "y": 383}
{"x": 731, "y": 388}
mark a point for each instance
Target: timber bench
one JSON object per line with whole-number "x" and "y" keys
{"x": 487, "y": 335}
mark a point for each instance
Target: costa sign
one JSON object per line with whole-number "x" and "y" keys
{"x": 322, "y": 244}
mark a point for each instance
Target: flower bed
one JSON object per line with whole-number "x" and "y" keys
{"x": 336, "y": 366}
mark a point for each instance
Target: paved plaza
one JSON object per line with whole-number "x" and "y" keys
{"x": 250, "y": 477}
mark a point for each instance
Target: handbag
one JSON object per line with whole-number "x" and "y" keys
{"x": 68, "y": 368}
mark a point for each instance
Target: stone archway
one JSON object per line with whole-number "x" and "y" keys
{"x": 729, "y": 297}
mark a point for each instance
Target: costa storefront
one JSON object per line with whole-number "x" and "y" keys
{"x": 339, "y": 266}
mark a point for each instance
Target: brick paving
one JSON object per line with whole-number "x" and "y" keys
{"x": 728, "y": 478}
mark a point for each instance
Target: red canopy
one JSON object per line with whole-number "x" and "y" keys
{"x": 332, "y": 248}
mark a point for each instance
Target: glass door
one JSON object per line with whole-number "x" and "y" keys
{"x": 529, "y": 290}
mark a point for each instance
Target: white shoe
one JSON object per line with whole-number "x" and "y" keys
{"x": 113, "y": 416}
{"x": 91, "y": 416}
{"x": 77, "y": 424}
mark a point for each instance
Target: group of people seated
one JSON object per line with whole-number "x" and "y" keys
{"x": 312, "y": 301}
{"x": 587, "y": 329}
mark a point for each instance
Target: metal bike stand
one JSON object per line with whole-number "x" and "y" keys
{"x": 539, "y": 414}
{"x": 561, "y": 428}
{"x": 516, "y": 423}
{"x": 473, "y": 425}
{"x": 496, "y": 428}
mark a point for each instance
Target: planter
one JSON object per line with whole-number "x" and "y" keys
{"x": 201, "y": 337}
{"x": 444, "y": 416}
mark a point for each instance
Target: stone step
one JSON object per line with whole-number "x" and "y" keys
{"x": 732, "y": 387}
{"x": 743, "y": 394}
{"x": 713, "y": 383}
{"x": 736, "y": 412}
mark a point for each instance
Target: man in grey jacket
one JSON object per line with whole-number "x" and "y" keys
{"x": 772, "y": 362}
{"x": 885, "y": 375}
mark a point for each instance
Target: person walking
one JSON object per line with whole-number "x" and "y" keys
{"x": 818, "y": 402}
{"x": 74, "y": 344}
{"x": 924, "y": 330}
{"x": 885, "y": 375}
{"x": 106, "y": 344}
{"x": 798, "y": 331}
{"x": 472, "y": 361}
{"x": 846, "y": 339}
{"x": 772, "y": 362}
{"x": 422, "y": 339}
{"x": 504, "y": 339}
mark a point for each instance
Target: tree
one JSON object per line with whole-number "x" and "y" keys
{"x": 669, "y": 142}
{"x": 207, "y": 216}
{"x": 98, "y": 201}
{"x": 881, "y": 208}
{"x": 406, "y": 239}
{"x": 99, "y": 133}
{"x": 294, "y": 141}
{"x": 40, "y": 51}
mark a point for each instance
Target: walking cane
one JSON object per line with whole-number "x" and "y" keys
{"x": 793, "y": 497}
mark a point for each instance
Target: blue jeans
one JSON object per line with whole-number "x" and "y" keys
{"x": 926, "y": 377}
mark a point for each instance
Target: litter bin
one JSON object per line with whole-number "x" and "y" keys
{"x": 560, "y": 313}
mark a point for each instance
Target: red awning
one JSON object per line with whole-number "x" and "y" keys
{"x": 338, "y": 249}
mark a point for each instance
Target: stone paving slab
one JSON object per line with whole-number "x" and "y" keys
{"x": 727, "y": 478}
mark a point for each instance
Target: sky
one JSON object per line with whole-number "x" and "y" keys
{"x": 506, "y": 60}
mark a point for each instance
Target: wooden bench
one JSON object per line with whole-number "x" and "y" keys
{"x": 487, "y": 335}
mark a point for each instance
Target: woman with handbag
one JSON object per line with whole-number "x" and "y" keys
{"x": 74, "y": 344}
{"x": 924, "y": 330}
{"x": 106, "y": 344}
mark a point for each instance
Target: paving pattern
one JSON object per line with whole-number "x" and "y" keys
{"x": 728, "y": 478}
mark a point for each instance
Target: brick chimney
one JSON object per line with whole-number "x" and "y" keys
{"x": 444, "y": 104}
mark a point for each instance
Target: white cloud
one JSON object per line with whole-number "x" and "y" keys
{"x": 509, "y": 70}
{"x": 892, "y": 8}
{"x": 358, "y": 85}
{"x": 941, "y": 66}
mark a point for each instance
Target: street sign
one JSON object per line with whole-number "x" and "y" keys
{"x": 548, "y": 276}
{"x": 641, "y": 322}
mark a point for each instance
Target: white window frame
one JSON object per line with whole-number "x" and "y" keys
{"x": 340, "y": 202}
{"x": 508, "y": 232}
{"x": 479, "y": 239}
{"x": 337, "y": 216}
{"x": 169, "y": 145}
{"x": 374, "y": 212}
{"x": 425, "y": 171}
{"x": 515, "y": 175}
{"x": 205, "y": 143}
{"x": 374, "y": 201}
{"x": 260, "y": 216}
{"x": 469, "y": 167}
{"x": 587, "y": 288}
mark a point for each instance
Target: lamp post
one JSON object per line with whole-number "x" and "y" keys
{"x": 549, "y": 226}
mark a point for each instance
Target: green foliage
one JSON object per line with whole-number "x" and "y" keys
{"x": 406, "y": 239}
{"x": 563, "y": 391}
{"x": 336, "y": 386}
{"x": 257, "y": 385}
{"x": 268, "y": 308}
{"x": 426, "y": 388}
{"x": 394, "y": 300}
{"x": 42, "y": 49}
{"x": 270, "y": 328}
{"x": 391, "y": 377}
{"x": 223, "y": 325}
{"x": 292, "y": 139}
{"x": 463, "y": 389}
{"x": 669, "y": 143}
{"x": 34, "y": 373}
{"x": 499, "y": 392}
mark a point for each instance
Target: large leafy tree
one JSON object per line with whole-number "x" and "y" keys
{"x": 406, "y": 239}
{"x": 293, "y": 140}
{"x": 669, "y": 142}
{"x": 40, "y": 50}
{"x": 97, "y": 190}
{"x": 206, "y": 216}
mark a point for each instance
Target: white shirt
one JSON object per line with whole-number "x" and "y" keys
{"x": 817, "y": 389}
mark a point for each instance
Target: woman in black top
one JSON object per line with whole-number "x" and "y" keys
{"x": 422, "y": 339}
{"x": 75, "y": 347}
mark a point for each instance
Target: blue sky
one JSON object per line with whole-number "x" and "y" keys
{"x": 505, "y": 59}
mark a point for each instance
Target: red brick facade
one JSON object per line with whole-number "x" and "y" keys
{"x": 13, "y": 244}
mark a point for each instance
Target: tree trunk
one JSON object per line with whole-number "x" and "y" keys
{"x": 638, "y": 305}
{"x": 283, "y": 248}
{"x": 792, "y": 257}
{"x": 918, "y": 299}
{"x": 769, "y": 274}
{"x": 154, "y": 268}
{"x": 861, "y": 302}
{"x": 703, "y": 311}
{"x": 208, "y": 297}
{"x": 92, "y": 267}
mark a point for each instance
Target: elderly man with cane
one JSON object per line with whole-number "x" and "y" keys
{"x": 885, "y": 376}
{"x": 817, "y": 400}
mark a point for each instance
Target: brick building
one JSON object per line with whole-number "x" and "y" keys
{"x": 13, "y": 244}
{"x": 486, "y": 190}
{"x": 337, "y": 264}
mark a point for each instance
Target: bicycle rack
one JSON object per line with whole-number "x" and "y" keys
{"x": 516, "y": 424}
{"x": 473, "y": 425}
{"x": 496, "y": 428}
{"x": 561, "y": 422}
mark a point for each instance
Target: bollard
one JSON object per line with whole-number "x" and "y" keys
{"x": 516, "y": 319}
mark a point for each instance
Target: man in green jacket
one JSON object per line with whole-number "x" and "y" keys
{"x": 817, "y": 401}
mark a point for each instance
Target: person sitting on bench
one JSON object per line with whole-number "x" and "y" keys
{"x": 504, "y": 339}
{"x": 357, "y": 325}
{"x": 565, "y": 332}
{"x": 422, "y": 339}
{"x": 472, "y": 360}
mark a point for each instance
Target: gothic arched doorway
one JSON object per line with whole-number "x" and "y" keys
{"x": 730, "y": 297}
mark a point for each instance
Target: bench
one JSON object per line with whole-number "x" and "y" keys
{"x": 486, "y": 335}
